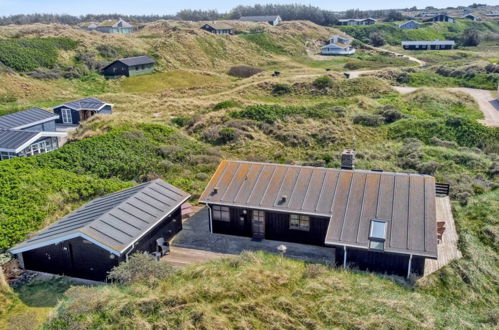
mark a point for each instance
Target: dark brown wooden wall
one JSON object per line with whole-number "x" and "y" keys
{"x": 380, "y": 262}
{"x": 75, "y": 257}
{"x": 276, "y": 227}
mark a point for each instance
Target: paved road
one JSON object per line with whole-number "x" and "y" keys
{"x": 487, "y": 104}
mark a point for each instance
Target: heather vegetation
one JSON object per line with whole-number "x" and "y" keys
{"x": 179, "y": 124}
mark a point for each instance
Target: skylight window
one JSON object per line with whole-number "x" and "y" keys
{"x": 378, "y": 229}
{"x": 377, "y": 235}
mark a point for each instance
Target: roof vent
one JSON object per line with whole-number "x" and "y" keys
{"x": 348, "y": 159}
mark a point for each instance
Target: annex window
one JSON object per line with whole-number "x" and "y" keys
{"x": 221, "y": 213}
{"x": 377, "y": 235}
{"x": 66, "y": 116}
{"x": 299, "y": 222}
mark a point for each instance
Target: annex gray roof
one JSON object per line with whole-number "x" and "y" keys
{"x": 268, "y": 18}
{"x": 356, "y": 19}
{"x": 351, "y": 199}
{"x": 114, "y": 221}
{"x": 26, "y": 118}
{"x": 10, "y": 140}
{"x": 138, "y": 60}
{"x": 408, "y": 22}
{"x": 88, "y": 103}
{"x": 428, "y": 42}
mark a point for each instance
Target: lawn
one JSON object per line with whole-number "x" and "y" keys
{"x": 168, "y": 80}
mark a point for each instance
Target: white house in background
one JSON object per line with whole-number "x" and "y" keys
{"x": 338, "y": 45}
{"x": 272, "y": 20}
{"x": 357, "y": 21}
{"x": 410, "y": 25}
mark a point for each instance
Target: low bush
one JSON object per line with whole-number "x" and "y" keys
{"x": 390, "y": 114}
{"x": 323, "y": 82}
{"x": 181, "y": 121}
{"x": 226, "y": 104}
{"x": 140, "y": 267}
{"x": 244, "y": 71}
{"x": 27, "y": 54}
{"x": 368, "y": 120}
{"x": 272, "y": 113}
{"x": 281, "y": 89}
{"x": 222, "y": 135}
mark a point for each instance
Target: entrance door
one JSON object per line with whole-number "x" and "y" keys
{"x": 258, "y": 224}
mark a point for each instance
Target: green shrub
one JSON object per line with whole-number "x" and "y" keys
{"x": 368, "y": 120}
{"x": 464, "y": 132}
{"x": 281, "y": 89}
{"x": 390, "y": 114}
{"x": 30, "y": 53}
{"x": 181, "y": 121}
{"x": 270, "y": 113}
{"x": 323, "y": 82}
{"x": 226, "y": 104}
{"x": 140, "y": 268}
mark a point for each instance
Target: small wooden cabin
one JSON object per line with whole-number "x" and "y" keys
{"x": 89, "y": 242}
{"x": 129, "y": 67}
{"x": 27, "y": 133}
{"x": 74, "y": 112}
{"x": 372, "y": 220}
{"x": 218, "y": 28}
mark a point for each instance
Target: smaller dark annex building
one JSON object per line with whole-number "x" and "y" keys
{"x": 74, "y": 112}
{"x": 89, "y": 242}
{"x": 377, "y": 221}
{"x": 129, "y": 67}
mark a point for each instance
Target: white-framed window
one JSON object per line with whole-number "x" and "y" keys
{"x": 258, "y": 216}
{"x": 66, "y": 116}
{"x": 377, "y": 234}
{"x": 299, "y": 222}
{"x": 221, "y": 213}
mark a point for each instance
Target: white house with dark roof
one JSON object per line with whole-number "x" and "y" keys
{"x": 74, "y": 112}
{"x": 270, "y": 19}
{"x": 115, "y": 26}
{"x": 338, "y": 45}
{"x": 27, "y": 133}
{"x": 357, "y": 21}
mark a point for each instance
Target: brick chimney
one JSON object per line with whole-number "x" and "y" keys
{"x": 348, "y": 159}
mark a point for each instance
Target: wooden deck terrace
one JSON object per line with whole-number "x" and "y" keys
{"x": 447, "y": 247}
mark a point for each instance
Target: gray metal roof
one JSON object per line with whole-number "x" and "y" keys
{"x": 259, "y": 18}
{"x": 89, "y": 103}
{"x": 26, "y": 118}
{"x": 114, "y": 221}
{"x": 351, "y": 199}
{"x": 13, "y": 139}
{"x": 428, "y": 42}
{"x": 138, "y": 60}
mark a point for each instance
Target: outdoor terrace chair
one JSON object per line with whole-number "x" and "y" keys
{"x": 163, "y": 246}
